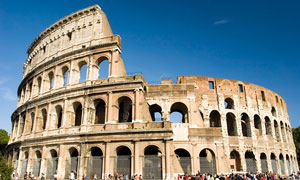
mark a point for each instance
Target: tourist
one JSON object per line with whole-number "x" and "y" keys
{"x": 72, "y": 175}
{"x": 43, "y": 176}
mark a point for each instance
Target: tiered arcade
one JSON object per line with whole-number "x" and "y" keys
{"x": 70, "y": 118}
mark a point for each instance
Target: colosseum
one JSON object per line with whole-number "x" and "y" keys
{"x": 68, "y": 118}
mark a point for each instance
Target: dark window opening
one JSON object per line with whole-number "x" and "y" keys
{"x": 100, "y": 111}
{"x": 215, "y": 119}
{"x": 69, "y": 34}
{"x": 229, "y": 103}
{"x": 211, "y": 85}
{"x": 44, "y": 115}
{"x": 78, "y": 113}
{"x": 125, "y": 109}
{"x": 263, "y": 96}
{"x": 241, "y": 88}
{"x": 155, "y": 111}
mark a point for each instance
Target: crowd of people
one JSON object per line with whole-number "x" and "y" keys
{"x": 198, "y": 176}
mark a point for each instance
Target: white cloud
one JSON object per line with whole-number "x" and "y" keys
{"x": 222, "y": 21}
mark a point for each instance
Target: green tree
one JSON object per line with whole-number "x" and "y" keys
{"x": 4, "y": 138}
{"x": 5, "y": 169}
{"x": 296, "y": 135}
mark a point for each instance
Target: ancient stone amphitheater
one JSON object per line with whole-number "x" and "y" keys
{"x": 70, "y": 119}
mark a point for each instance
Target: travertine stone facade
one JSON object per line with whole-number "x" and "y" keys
{"x": 69, "y": 119}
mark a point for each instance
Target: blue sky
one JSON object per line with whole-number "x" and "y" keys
{"x": 252, "y": 41}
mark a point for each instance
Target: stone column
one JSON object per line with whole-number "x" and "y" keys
{"x": 61, "y": 162}
{"x": 137, "y": 108}
{"x": 136, "y": 158}
{"x": 43, "y": 168}
{"x": 168, "y": 160}
{"x": 107, "y": 159}
{"x": 110, "y": 117}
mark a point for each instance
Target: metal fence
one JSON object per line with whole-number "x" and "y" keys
{"x": 51, "y": 167}
{"x": 185, "y": 163}
{"x": 95, "y": 166}
{"x": 274, "y": 166}
{"x": 264, "y": 166}
{"x": 16, "y": 166}
{"x": 208, "y": 166}
{"x": 288, "y": 166}
{"x": 124, "y": 165}
{"x": 282, "y": 166}
{"x": 251, "y": 165}
{"x": 71, "y": 165}
{"x": 36, "y": 167}
{"x": 152, "y": 167}
{"x": 24, "y": 167}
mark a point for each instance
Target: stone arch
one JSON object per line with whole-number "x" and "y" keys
{"x": 72, "y": 162}
{"x": 250, "y": 162}
{"x": 78, "y": 113}
{"x": 83, "y": 71}
{"x": 288, "y": 164}
{"x": 181, "y": 108}
{"x": 59, "y": 115}
{"x": 123, "y": 165}
{"x": 44, "y": 118}
{"x": 281, "y": 160}
{"x": 51, "y": 80}
{"x": 39, "y": 84}
{"x": 268, "y": 126}
{"x": 152, "y": 163}
{"x": 184, "y": 159}
{"x": 282, "y": 131}
{"x": 207, "y": 161}
{"x": 32, "y": 117}
{"x": 215, "y": 119}
{"x": 229, "y": 103}
{"x": 65, "y": 75}
{"x": 273, "y": 111}
{"x": 100, "y": 111}
{"x": 274, "y": 163}
{"x": 103, "y": 67}
{"x": 231, "y": 124}
{"x": 125, "y": 109}
{"x": 95, "y": 162}
{"x": 156, "y": 112}
{"x": 264, "y": 164}
{"x": 257, "y": 124}
{"x": 235, "y": 161}
{"x": 24, "y": 163}
{"x": 37, "y": 163}
{"x": 245, "y": 123}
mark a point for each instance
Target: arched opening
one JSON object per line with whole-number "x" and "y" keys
{"x": 282, "y": 131}
{"x": 250, "y": 162}
{"x": 282, "y": 164}
{"x": 24, "y": 164}
{"x": 231, "y": 124}
{"x": 229, "y": 103}
{"x": 32, "y": 121}
{"x": 83, "y": 72}
{"x": 274, "y": 164}
{"x": 264, "y": 164}
{"x": 179, "y": 113}
{"x": 155, "y": 111}
{"x": 103, "y": 68}
{"x": 95, "y": 163}
{"x": 51, "y": 80}
{"x": 152, "y": 168}
{"x": 100, "y": 107}
{"x": 184, "y": 159}
{"x": 125, "y": 109}
{"x": 288, "y": 164}
{"x": 268, "y": 126}
{"x": 245, "y": 122}
{"x": 44, "y": 116}
{"x": 65, "y": 72}
{"x": 52, "y": 163}
{"x": 124, "y": 161}
{"x": 257, "y": 125}
{"x": 215, "y": 119}
{"x": 273, "y": 111}
{"x": 207, "y": 161}
{"x": 78, "y": 113}
{"x": 277, "y": 133}
{"x": 59, "y": 114}
{"x": 235, "y": 161}
{"x": 72, "y": 162}
{"x": 39, "y": 84}
{"x": 37, "y": 164}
